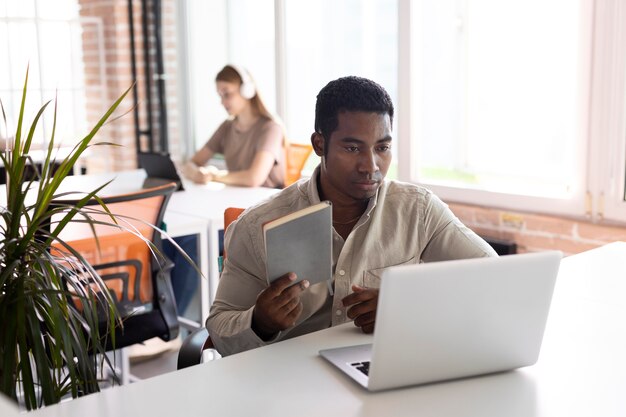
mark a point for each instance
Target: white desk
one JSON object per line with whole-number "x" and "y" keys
{"x": 177, "y": 224}
{"x": 7, "y": 407}
{"x": 208, "y": 202}
{"x": 199, "y": 209}
{"x": 581, "y": 370}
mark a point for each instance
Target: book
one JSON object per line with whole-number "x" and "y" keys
{"x": 301, "y": 242}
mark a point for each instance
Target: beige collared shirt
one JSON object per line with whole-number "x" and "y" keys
{"x": 403, "y": 224}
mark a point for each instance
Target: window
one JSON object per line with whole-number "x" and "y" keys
{"x": 356, "y": 38}
{"x": 498, "y": 98}
{"x": 362, "y": 42}
{"x": 518, "y": 105}
{"x": 221, "y": 32}
{"x": 46, "y": 36}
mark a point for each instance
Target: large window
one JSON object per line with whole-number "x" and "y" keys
{"x": 46, "y": 36}
{"x": 519, "y": 105}
{"x": 499, "y": 91}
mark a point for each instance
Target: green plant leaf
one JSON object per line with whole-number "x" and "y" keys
{"x": 49, "y": 346}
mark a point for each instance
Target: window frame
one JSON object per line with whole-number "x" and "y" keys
{"x": 607, "y": 160}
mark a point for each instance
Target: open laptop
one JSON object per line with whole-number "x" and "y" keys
{"x": 454, "y": 319}
{"x": 160, "y": 169}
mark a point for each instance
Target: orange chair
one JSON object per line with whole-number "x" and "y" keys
{"x": 137, "y": 278}
{"x": 296, "y": 156}
{"x": 230, "y": 215}
{"x": 198, "y": 341}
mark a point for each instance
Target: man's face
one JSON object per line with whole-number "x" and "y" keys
{"x": 357, "y": 158}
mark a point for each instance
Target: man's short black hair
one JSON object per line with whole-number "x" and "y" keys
{"x": 349, "y": 94}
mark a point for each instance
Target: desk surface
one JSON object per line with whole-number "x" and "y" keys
{"x": 7, "y": 407}
{"x": 581, "y": 370}
{"x": 205, "y": 201}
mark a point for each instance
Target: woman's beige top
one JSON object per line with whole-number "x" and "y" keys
{"x": 239, "y": 148}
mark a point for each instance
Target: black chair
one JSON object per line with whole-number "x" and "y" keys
{"x": 193, "y": 347}
{"x": 501, "y": 246}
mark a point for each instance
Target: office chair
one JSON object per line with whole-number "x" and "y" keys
{"x": 198, "y": 341}
{"x": 296, "y": 155}
{"x": 134, "y": 268}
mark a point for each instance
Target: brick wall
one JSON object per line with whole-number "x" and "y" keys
{"x": 112, "y": 39}
{"x": 535, "y": 232}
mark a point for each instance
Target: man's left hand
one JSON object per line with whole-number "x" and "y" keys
{"x": 363, "y": 311}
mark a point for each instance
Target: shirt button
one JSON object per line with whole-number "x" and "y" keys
{"x": 342, "y": 272}
{"x": 338, "y": 312}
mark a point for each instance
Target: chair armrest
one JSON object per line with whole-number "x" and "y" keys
{"x": 190, "y": 353}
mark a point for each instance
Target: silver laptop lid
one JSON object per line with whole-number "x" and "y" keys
{"x": 453, "y": 319}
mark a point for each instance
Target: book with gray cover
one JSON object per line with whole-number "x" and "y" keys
{"x": 301, "y": 242}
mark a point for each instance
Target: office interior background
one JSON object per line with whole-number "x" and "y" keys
{"x": 513, "y": 112}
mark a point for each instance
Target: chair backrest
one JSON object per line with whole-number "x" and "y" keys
{"x": 190, "y": 352}
{"x": 296, "y": 155}
{"x": 230, "y": 215}
{"x": 129, "y": 258}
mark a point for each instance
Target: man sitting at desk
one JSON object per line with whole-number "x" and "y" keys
{"x": 377, "y": 224}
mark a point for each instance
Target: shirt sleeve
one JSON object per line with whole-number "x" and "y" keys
{"x": 243, "y": 278}
{"x": 271, "y": 139}
{"x": 216, "y": 142}
{"x": 447, "y": 237}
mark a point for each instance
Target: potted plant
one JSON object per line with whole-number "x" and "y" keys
{"x": 49, "y": 349}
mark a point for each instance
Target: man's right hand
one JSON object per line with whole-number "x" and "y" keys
{"x": 278, "y": 306}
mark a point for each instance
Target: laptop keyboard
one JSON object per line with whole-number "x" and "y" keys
{"x": 362, "y": 366}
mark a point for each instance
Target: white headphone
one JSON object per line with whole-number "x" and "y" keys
{"x": 247, "y": 88}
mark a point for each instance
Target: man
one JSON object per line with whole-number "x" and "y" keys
{"x": 377, "y": 224}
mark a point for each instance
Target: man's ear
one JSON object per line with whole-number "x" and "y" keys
{"x": 317, "y": 140}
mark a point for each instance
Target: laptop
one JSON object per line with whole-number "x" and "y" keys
{"x": 160, "y": 169}
{"x": 454, "y": 319}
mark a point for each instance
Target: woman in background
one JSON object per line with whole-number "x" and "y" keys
{"x": 252, "y": 143}
{"x": 251, "y": 140}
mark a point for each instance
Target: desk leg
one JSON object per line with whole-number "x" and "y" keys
{"x": 202, "y": 261}
{"x": 205, "y": 281}
{"x": 209, "y": 252}
{"x": 213, "y": 253}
